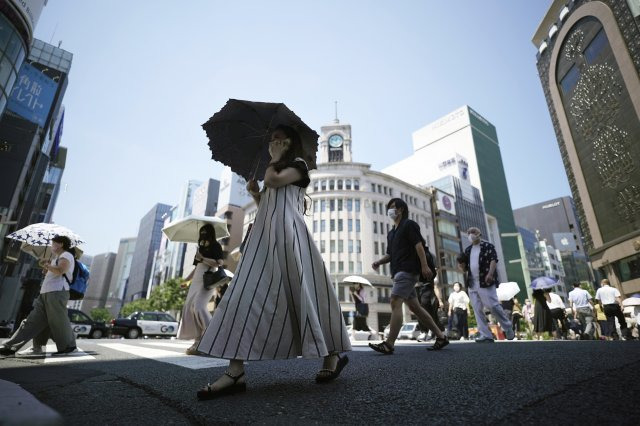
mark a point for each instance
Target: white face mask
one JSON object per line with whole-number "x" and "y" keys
{"x": 392, "y": 213}
{"x": 473, "y": 238}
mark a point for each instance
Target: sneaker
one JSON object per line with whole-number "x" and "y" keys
{"x": 65, "y": 351}
{"x": 510, "y": 334}
{"x": 5, "y": 351}
{"x": 35, "y": 350}
{"x": 483, "y": 339}
{"x": 462, "y": 338}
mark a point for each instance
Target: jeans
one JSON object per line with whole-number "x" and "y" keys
{"x": 487, "y": 298}
{"x": 585, "y": 316}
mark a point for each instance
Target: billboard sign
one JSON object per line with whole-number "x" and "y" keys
{"x": 32, "y": 95}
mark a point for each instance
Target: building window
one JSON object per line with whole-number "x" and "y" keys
{"x": 340, "y": 267}
{"x": 340, "y": 246}
{"x": 315, "y": 226}
{"x": 374, "y": 207}
{"x": 323, "y": 205}
{"x": 332, "y": 184}
{"x": 376, "y": 248}
{"x": 348, "y": 184}
{"x": 332, "y": 246}
{"x": 350, "y": 225}
{"x": 333, "y": 225}
{"x": 357, "y": 225}
{"x": 315, "y": 206}
{"x": 390, "y": 192}
{"x": 382, "y": 250}
{"x": 628, "y": 268}
{"x": 358, "y": 267}
{"x": 340, "y": 227}
{"x": 357, "y": 201}
{"x": 323, "y": 185}
{"x": 385, "y": 190}
{"x": 323, "y": 225}
{"x": 349, "y": 204}
{"x": 375, "y": 227}
{"x": 340, "y": 205}
{"x": 332, "y": 205}
{"x": 350, "y": 267}
{"x": 333, "y": 267}
{"x": 340, "y": 184}
{"x": 380, "y": 189}
{"x": 315, "y": 185}
{"x": 358, "y": 247}
{"x": 356, "y": 185}
{"x": 323, "y": 246}
{"x": 350, "y": 246}
{"x": 373, "y": 187}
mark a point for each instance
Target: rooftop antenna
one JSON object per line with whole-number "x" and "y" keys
{"x": 54, "y": 33}
{"x": 335, "y": 120}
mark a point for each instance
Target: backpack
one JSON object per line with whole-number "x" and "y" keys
{"x": 431, "y": 263}
{"x": 78, "y": 282}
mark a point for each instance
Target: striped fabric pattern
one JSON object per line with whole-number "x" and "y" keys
{"x": 281, "y": 303}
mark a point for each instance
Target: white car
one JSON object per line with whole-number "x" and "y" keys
{"x": 362, "y": 335}
{"x": 409, "y": 331}
{"x": 139, "y": 324}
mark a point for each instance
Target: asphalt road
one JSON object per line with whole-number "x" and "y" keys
{"x": 151, "y": 382}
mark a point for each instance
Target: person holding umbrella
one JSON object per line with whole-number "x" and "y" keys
{"x": 281, "y": 303}
{"x": 50, "y": 308}
{"x": 195, "y": 314}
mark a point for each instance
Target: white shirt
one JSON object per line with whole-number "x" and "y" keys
{"x": 607, "y": 295}
{"x": 474, "y": 263}
{"x": 55, "y": 282}
{"x": 580, "y": 298}
{"x": 556, "y": 302}
{"x": 458, "y": 300}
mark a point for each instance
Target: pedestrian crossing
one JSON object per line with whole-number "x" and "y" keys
{"x": 170, "y": 357}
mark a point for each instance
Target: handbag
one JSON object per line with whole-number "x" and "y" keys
{"x": 362, "y": 309}
{"x": 212, "y": 279}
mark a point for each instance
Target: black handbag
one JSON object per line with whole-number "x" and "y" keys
{"x": 212, "y": 279}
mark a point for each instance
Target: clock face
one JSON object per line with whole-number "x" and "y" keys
{"x": 335, "y": 141}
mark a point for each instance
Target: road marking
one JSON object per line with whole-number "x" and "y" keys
{"x": 179, "y": 345}
{"x": 170, "y": 357}
{"x": 78, "y": 355}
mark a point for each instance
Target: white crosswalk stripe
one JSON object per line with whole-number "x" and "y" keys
{"x": 169, "y": 357}
{"x": 78, "y": 355}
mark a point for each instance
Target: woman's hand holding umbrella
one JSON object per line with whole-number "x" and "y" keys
{"x": 252, "y": 187}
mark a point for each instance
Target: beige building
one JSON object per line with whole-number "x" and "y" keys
{"x": 589, "y": 62}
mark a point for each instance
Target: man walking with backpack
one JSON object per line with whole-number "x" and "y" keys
{"x": 482, "y": 259}
{"x": 405, "y": 251}
{"x": 50, "y": 308}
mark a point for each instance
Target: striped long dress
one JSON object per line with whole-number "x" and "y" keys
{"x": 281, "y": 303}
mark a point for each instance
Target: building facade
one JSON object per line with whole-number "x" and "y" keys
{"x": 147, "y": 243}
{"x": 101, "y": 275}
{"x": 120, "y": 275}
{"x": 467, "y": 142}
{"x": 556, "y": 222}
{"x": 588, "y": 61}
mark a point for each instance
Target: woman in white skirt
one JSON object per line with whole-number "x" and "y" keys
{"x": 195, "y": 314}
{"x": 281, "y": 303}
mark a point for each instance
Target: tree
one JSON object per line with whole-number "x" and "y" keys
{"x": 101, "y": 314}
{"x": 168, "y": 296}
{"x": 135, "y": 306}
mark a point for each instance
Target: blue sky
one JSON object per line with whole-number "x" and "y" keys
{"x": 147, "y": 74}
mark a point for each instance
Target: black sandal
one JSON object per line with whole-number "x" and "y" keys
{"x": 382, "y": 347}
{"x": 322, "y": 377}
{"x": 439, "y": 344}
{"x": 208, "y": 393}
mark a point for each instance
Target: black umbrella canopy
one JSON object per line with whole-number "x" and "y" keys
{"x": 239, "y": 135}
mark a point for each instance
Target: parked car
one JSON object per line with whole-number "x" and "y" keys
{"x": 145, "y": 324}
{"x": 83, "y": 326}
{"x": 410, "y": 331}
{"x": 363, "y": 335}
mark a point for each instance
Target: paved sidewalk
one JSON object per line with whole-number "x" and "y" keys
{"x": 19, "y": 407}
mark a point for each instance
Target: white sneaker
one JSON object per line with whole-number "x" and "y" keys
{"x": 462, "y": 338}
{"x": 35, "y": 350}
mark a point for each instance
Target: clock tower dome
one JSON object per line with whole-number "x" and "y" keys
{"x": 335, "y": 143}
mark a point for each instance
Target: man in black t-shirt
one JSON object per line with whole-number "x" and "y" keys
{"x": 405, "y": 252}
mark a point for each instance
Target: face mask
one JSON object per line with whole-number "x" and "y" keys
{"x": 473, "y": 238}
{"x": 392, "y": 213}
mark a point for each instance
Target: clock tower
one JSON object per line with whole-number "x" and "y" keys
{"x": 335, "y": 143}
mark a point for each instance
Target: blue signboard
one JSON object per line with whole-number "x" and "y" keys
{"x": 32, "y": 95}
